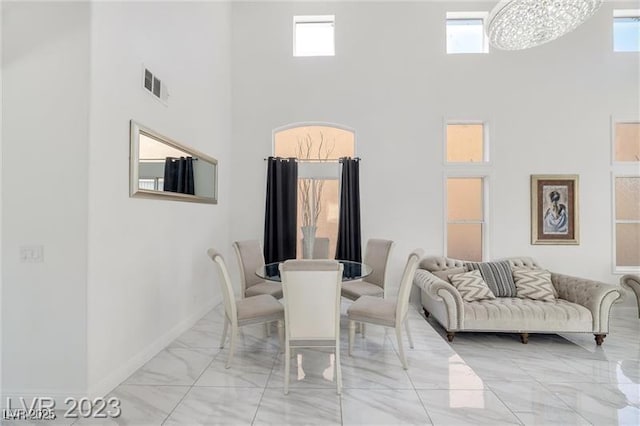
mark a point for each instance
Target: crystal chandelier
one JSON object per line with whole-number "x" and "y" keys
{"x": 520, "y": 24}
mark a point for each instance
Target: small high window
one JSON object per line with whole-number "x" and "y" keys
{"x": 465, "y": 32}
{"x": 626, "y": 141}
{"x": 313, "y": 35}
{"x": 626, "y": 30}
{"x": 465, "y": 143}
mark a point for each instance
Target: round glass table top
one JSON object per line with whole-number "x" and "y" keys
{"x": 352, "y": 271}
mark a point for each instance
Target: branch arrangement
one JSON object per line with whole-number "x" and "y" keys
{"x": 311, "y": 189}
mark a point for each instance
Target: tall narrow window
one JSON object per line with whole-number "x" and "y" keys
{"x": 626, "y": 30}
{"x": 466, "y": 159}
{"x": 317, "y": 149}
{"x": 465, "y": 218}
{"x": 465, "y": 32}
{"x": 627, "y": 223}
{"x": 626, "y": 195}
{"x": 313, "y": 35}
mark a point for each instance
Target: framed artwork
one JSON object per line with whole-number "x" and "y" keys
{"x": 554, "y": 209}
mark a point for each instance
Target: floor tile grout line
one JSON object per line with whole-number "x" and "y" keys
{"x": 191, "y": 387}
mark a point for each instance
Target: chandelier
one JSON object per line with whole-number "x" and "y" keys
{"x": 520, "y": 24}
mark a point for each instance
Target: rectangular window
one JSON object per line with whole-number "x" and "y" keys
{"x": 465, "y": 218}
{"x": 313, "y": 35}
{"x": 626, "y": 30}
{"x": 627, "y": 223}
{"x": 626, "y": 141}
{"x": 465, "y": 32}
{"x": 465, "y": 143}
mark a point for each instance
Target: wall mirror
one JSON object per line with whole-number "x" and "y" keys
{"x": 163, "y": 168}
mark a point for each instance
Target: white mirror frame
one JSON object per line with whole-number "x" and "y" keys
{"x": 134, "y": 159}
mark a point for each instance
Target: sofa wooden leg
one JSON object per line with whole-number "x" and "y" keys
{"x": 600, "y": 338}
{"x": 426, "y": 313}
{"x": 524, "y": 338}
{"x": 450, "y": 335}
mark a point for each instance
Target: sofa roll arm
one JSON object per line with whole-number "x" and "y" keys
{"x": 442, "y": 291}
{"x": 632, "y": 282}
{"x": 596, "y": 296}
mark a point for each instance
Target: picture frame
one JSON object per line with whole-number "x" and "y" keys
{"x": 555, "y": 217}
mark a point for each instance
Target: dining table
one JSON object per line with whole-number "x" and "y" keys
{"x": 351, "y": 271}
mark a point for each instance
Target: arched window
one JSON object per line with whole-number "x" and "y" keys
{"x": 317, "y": 148}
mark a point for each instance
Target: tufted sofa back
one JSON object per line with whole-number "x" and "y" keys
{"x": 441, "y": 263}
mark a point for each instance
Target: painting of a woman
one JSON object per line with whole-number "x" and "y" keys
{"x": 555, "y": 217}
{"x": 554, "y": 209}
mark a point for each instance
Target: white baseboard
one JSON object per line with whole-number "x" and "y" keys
{"x": 106, "y": 385}
{"x": 110, "y": 382}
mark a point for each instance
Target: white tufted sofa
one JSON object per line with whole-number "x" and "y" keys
{"x": 582, "y": 305}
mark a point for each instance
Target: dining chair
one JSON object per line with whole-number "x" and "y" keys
{"x": 258, "y": 309}
{"x": 387, "y": 312}
{"x": 311, "y": 309}
{"x": 377, "y": 256}
{"x": 250, "y": 258}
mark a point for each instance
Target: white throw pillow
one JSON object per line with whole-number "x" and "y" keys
{"x": 534, "y": 284}
{"x": 471, "y": 286}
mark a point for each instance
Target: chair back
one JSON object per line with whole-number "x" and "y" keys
{"x": 402, "y": 304}
{"x": 250, "y": 257}
{"x": 311, "y": 291}
{"x": 225, "y": 286}
{"x": 377, "y": 256}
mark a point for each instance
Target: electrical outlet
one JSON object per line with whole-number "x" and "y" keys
{"x": 32, "y": 254}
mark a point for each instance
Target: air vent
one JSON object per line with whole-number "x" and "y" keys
{"x": 155, "y": 86}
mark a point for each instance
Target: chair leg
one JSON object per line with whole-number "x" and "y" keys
{"x": 267, "y": 328}
{"x": 400, "y": 348}
{"x": 338, "y": 370}
{"x": 352, "y": 335}
{"x": 406, "y": 326}
{"x": 224, "y": 333}
{"x": 232, "y": 345}
{"x": 362, "y": 325}
{"x": 281, "y": 334}
{"x": 287, "y": 367}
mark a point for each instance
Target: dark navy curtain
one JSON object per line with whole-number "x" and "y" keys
{"x": 281, "y": 213}
{"x": 178, "y": 175}
{"x": 349, "y": 246}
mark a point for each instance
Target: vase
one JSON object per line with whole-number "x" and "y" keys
{"x": 308, "y": 241}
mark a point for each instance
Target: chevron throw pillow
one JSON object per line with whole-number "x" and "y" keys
{"x": 471, "y": 286}
{"x": 534, "y": 284}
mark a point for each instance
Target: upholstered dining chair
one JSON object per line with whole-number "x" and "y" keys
{"x": 387, "y": 312}
{"x": 377, "y": 256}
{"x": 312, "y": 309}
{"x": 250, "y": 258}
{"x": 632, "y": 282}
{"x": 258, "y": 309}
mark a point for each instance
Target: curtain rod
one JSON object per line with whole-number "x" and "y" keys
{"x": 314, "y": 160}
{"x": 165, "y": 158}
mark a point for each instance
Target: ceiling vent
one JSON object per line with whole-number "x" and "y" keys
{"x": 154, "y": 86}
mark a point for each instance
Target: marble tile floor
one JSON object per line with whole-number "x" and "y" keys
{"x": 480, "y": 378}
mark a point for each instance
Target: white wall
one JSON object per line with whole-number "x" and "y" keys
{"x": 548, "y": 108}
{"x": 45, "y": 79}
{"x": 149, "y": 276}
{"x": 121, "y": 277}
